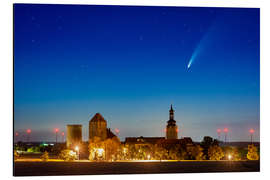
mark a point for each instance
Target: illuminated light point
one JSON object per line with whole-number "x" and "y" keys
{"x": 63, "y": 136}
{"x": 78, "y": 150}
{"x": 229, "y": 157}
{"x": 218, "y": 131}
{"x": 177, "y": 130}
{"x": 28, "y": 131}
{"x": 226, "y": 132}
{"x": 251, "y": 131}
{"x": 117, "y": 131}
{"x": 165, "y": 130}
{"x": 16, "y": 136}
{"x": 56, "y": 130}
{"x": 100, "y": 152}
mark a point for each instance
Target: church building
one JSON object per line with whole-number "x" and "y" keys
{"x": 171, "y": 129}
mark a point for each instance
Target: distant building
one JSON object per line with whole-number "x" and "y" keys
{"x": 106, "y": 149}
{"x": 171, "y": 129}
{"x": 74, "y": 135}
{"x": 141, "y": 141}
{"x": 98, "y": 127}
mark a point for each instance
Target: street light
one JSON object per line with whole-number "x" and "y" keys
{"x": 78, "y": 150}
{"x": 218, "y": 132}
{"x": 16, "y": 135}
{"x": 226, "y": 132}
{"x": 28, "y": 131}
{"x": 117, "y": 131}
{"x": 56, "y": 130}
{"x": 251, "y": 131}
{"x": 63, "y": 136}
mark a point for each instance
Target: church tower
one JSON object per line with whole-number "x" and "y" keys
{"x": 98, "y": 127}
{"x": 171, "y": 129}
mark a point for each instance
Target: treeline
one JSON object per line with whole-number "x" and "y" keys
{"x": 208, "y": 149}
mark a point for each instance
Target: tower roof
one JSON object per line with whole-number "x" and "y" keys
{"x": 171, "y": 108}
{"x": 98, "y": 117}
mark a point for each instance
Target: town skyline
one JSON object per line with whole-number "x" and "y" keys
{"x": 130, "y": 64}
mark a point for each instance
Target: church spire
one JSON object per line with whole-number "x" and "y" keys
{"x": 171, "y": 113}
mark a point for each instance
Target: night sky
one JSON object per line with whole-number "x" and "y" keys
{"x": 130, "y": 65}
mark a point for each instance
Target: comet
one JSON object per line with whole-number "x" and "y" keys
{"x": 203, "y": 42}
{"x": 195, "y": 53}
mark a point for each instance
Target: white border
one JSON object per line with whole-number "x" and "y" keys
{"x": 6, "y": 75}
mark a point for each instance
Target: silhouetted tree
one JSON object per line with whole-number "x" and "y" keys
{"x": 206, "y": 143}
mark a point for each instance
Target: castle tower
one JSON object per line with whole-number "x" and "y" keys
{"x": 98, "y": 127}
{"x": 171, "y": 129}
{"x": 74, "y": 135}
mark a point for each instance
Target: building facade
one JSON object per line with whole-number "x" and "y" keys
{"x": 98, "y": 127}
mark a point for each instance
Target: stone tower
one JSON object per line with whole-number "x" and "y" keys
{"x": 98, "y": 127}
{"x": 171, "y": 129}
{"x": 74, "y": 135}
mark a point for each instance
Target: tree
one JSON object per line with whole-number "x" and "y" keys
{"x": 16, "y": 155}
{"x": 67, "y": 155}
{"x": 96, "y": 149}
{"x": 215, "y": 153}
{"x": 112, "y": 146}
{"x": 206, "y": 143}
{"x": 252, "y": 152}
{"x": 45, "y": 156}
{"x": 160, "y": 152}
{"x": 195, "y": 152}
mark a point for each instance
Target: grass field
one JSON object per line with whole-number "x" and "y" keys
{"x": 91, "y": 168}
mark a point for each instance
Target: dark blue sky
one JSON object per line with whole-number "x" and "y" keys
{"x": 130, "y": 64}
